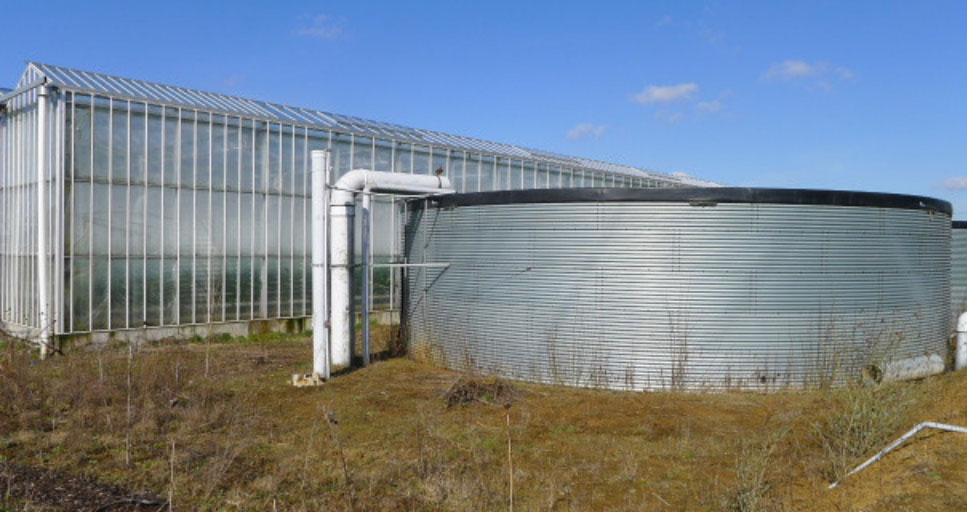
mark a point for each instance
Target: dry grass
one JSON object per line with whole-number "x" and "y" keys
{"x": 861, "y": 420}
{"x": 752, "y": 489}
{"x": 383, "y": 438}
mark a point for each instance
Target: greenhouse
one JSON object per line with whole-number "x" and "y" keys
{"x": 129, "y": 206}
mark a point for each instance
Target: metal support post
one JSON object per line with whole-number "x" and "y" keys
{"x": 367, "y": 263}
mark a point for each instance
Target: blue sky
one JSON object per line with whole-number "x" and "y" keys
{"x": 851, "y": 95}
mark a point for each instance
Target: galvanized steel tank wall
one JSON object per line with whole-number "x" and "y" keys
{"x": 682, "y": 289}
{"x": 958, "y": 271}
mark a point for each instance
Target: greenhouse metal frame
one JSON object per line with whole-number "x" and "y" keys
{"x": 128, "y": 205}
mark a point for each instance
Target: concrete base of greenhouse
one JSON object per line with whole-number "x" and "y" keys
{"x": 157, "y": 334}
{"x": 185, "y": 332}
{"x": 385, "y": 317}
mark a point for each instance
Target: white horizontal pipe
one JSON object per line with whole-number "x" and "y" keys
{"x": 407, "y": 265}
{"x": 342, "y": 212}
{"x": 354, "y": 182}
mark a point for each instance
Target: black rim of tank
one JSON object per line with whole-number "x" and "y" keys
{"x": 959, "y": 224}
{"x": 698, "y": 196}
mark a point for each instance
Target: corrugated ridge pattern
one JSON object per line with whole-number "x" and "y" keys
{"x": 669, "y": 295}
{"x": 958, "y": 273}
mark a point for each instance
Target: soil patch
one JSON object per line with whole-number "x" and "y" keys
{"x": 47, "y": 489}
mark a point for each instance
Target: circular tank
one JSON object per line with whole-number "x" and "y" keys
{"x": 692, "y": 289}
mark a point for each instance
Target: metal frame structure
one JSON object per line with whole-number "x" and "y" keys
{"x": 168, "y": 206}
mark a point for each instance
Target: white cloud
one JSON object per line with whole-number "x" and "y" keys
{"x": 702, "y": 27}
{"x": 794, "y": 69}
{"x": 586, "y": 131}
{"x": 232, "y": 81}
{"x": 323, "y": 26}
{"x": 791, "y": 69}
{"x": 709, "y": 106}
{"x": 669, "y": 117}
{"x": 954, "y": 183}
{"x": 714, "y": 37}
{"x": 845, "y": 73}
{"x": 665, "y": 93}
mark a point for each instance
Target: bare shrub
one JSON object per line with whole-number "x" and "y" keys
{"x": 861, "y": 418}
{"x": 470, "y": 389}
{"x": 678, "y": 330}
{"x": 752, "y": 489}
{"x": 25, "y": 401}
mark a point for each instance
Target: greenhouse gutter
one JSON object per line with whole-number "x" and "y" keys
{"x": 4, "y": 98}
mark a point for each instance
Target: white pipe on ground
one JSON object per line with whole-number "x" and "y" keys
{"x": 960, "y": 357}
{"x": 320, "y": 260}
{"x": 912, "y": 432}
{"x": 916, "y": 367}
{"x": 342, "y": 212}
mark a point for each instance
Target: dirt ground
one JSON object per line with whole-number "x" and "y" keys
{"x": 217, "y": 426}
{"x": 38, "y": 488}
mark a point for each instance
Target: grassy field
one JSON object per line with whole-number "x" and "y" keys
{"x": 218, "y": 427}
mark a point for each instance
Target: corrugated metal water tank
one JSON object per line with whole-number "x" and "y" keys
{"x": 699, "y": 289}
{"x": 958, "y": 270}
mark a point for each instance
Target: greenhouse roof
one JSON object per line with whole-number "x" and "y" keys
{"x": 139, "y": 90}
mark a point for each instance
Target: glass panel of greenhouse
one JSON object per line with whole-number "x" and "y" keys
{"x": 163, "y": 206}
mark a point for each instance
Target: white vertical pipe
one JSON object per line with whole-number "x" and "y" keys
{"x": 194, "y": 218}
{"x": 58, "y": 208}
{"x": 367, "y": 263}
{"x": 960, "y": 358}
{"x": 264, "y": 291}
{"x": 127, "y": 223}
{"x": 320, "y": 276}
{"x": 178, "y": 191}
{"x": 163, "y": 247}
{"x": 341, "y": 218}
{"x": 110, "y": 196}
{"x": 144, "y": 218}
{"x": 42, "y": 277}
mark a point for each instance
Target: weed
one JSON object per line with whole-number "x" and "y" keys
{"x": 337, "y": 440}
{"x": 510, "y": 463}
{"x": 752, "y": 488}
{"x": 678, "y": 332}
{"x": 860, "y": 418}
